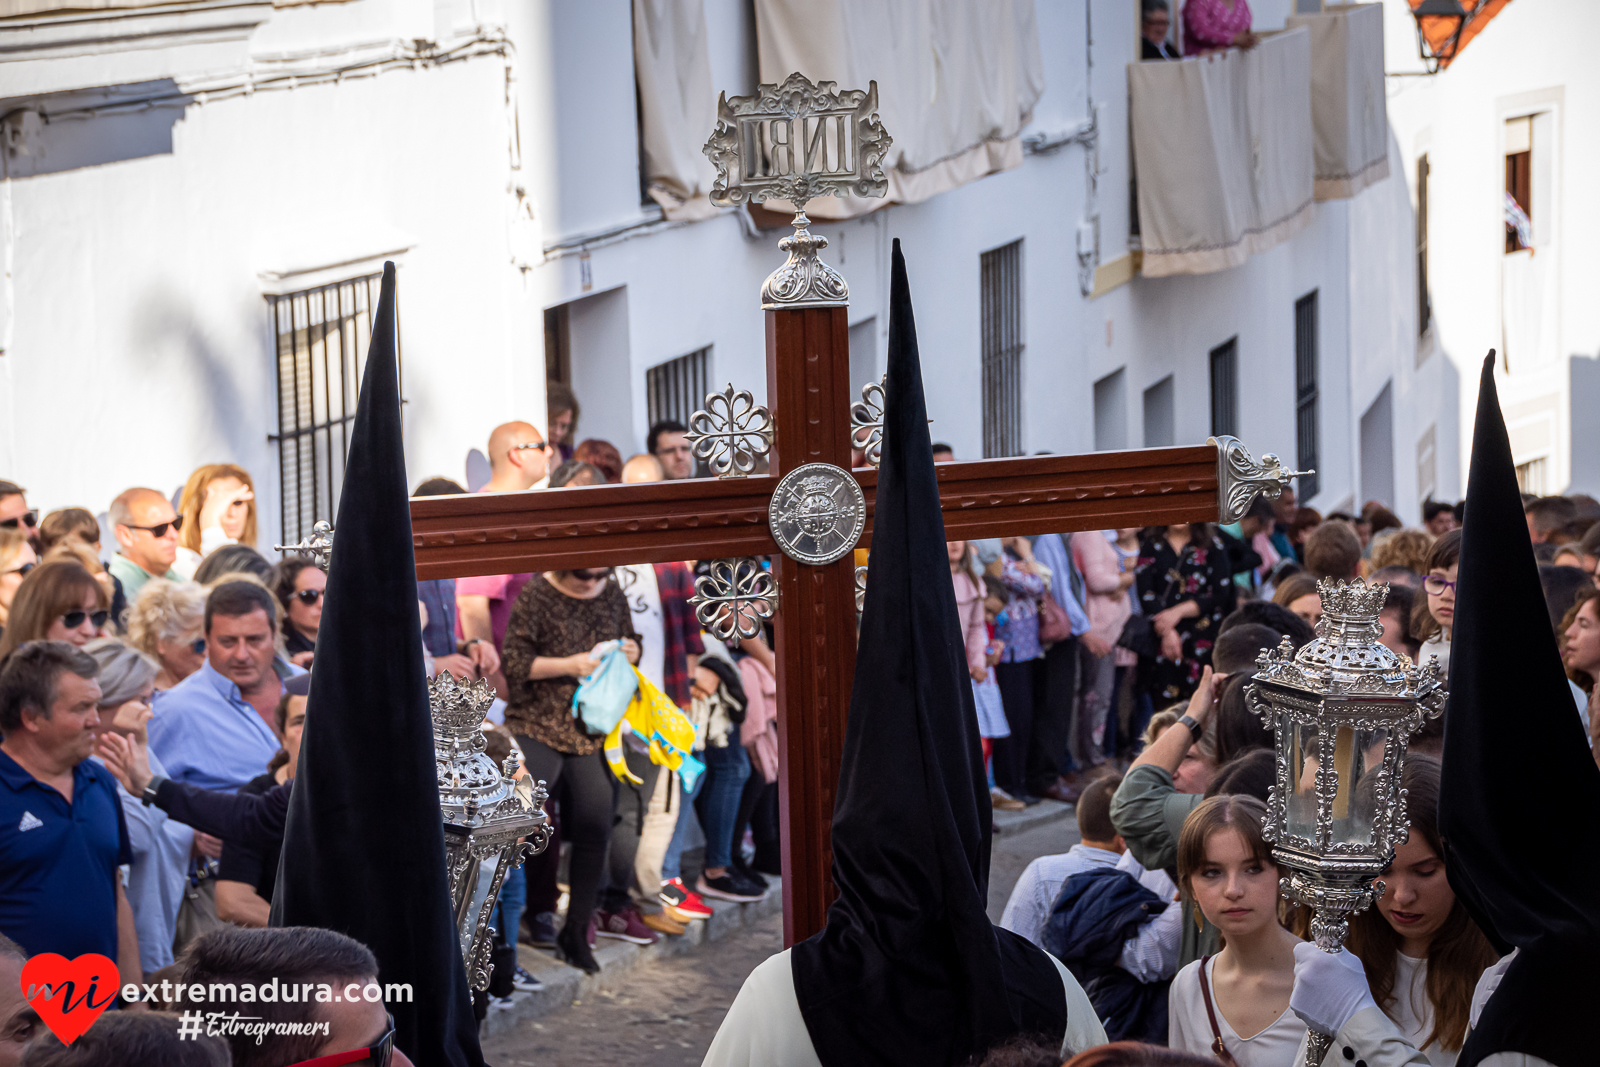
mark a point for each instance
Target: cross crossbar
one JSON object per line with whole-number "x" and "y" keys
{"x": 612, "y": 525}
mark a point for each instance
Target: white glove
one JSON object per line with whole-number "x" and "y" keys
{"x": 1329, "y": 988}
{"x": 1488, "y": 982}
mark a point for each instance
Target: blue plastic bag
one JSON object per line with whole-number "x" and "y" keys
{"x": 603, "y": 697}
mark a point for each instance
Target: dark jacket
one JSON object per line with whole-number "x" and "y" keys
{"x": 1094, "y": 914}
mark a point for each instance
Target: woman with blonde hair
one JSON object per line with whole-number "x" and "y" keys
{"x": 57, "y": 601}
{"x": 167, "y": 623}
{"x": 1401, "y": 548}
{"x": 1235, "y": 1004}
{"x": 17, "y": 558}
{"x": 218, "y": 508}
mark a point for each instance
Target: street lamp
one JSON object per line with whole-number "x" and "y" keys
{"x": 488, "y": 814}
{"x": 1439, "y": 26}
{"x": 1341, "y": 710}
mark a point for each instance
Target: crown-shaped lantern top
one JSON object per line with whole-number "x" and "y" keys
{"x": 1346, "y": 659}
{"x": 471, "y": 788}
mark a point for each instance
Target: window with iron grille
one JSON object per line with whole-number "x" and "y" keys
{"x": 320, "y": 336}
{"x": 1000, "y": 281}
{"x": 1305, "y": 391}
{"x": 1225, "y": 388}
{"x": 677, "y": 388}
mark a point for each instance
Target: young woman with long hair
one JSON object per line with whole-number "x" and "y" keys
{"x": 1235, "y": 1005}
{"x": 218, "y": 507}
{"x": 1422, "y": 952}
{"x": 1434, "y": 614}
{"x": 57, "y": 601}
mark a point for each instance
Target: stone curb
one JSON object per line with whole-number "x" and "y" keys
{"x": 563, "y": 984}
{"x": 1011, "y": 823}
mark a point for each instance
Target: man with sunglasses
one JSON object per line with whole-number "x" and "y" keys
{"x": 352, "y": 1024}
{"x": 146, "y": 528}
{"x": 518, "y": 461}
{"x": 16, "y": 515}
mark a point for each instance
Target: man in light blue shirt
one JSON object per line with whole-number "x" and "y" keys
{"x": 213, "y": 729}
{"x": 1049, "y": 768}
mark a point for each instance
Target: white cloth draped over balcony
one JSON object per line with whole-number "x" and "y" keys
{"x": 957, "y": 82}
{"x": 1348, "y": 116}
{"x": 1223, "y": 153}
{"x": 677, "y": 103}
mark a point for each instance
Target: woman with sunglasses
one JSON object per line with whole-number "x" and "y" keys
{"x": 556, "y": 622}
{"x": 16, "y": 560}
{"x": 1434, "y": 614}
{"x": 298, "y": 583}
{"x": 166, "y": 622}
{"x": 57, "y": 601}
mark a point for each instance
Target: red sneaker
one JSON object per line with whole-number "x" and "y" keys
{"x": 624, "y": 925}
{"x": 674, "y": 894}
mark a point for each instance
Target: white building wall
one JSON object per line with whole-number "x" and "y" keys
{"x": 137, "y": 279}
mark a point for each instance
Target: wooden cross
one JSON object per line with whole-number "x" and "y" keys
{"x": 810, "y": 393}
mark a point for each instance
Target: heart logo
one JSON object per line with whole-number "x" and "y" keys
{"x": 69, "y": 995}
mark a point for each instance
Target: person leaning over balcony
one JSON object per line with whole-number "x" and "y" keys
{"x": 1155, "y": 24}
{"x": 1211, "y": 25}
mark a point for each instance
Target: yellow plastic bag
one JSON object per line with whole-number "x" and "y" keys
{"x": 653, "y": 718}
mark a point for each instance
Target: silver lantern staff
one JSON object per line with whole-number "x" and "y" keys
{"x": 487, "y": 814}
{"x": 1342, "y": 711}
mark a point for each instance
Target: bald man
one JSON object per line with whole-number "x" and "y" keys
{"x": 146, "y": 528}
{"x": 642, "y": 468}
{"x": 518, "y": 460}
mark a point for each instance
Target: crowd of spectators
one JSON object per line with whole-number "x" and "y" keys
{"x": 1108, "y": 671}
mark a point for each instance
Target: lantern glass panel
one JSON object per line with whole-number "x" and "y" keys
{"x": 1353, "y": 756}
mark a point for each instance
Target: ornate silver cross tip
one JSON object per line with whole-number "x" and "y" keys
{"x": 319, "y": 546}
{"x": 730, "y": 432}
{"x": 1240, "y": 479}
{"x": 866, "y": 421}
{"x": 793, "y": 142}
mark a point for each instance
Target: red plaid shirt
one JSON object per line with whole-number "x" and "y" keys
{"x": 675, "y": 584}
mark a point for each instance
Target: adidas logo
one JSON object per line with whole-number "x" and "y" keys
{"x": 30, "y": 821}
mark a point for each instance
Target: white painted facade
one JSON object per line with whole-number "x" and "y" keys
{"x": 140, "y": 249}
{"x": 1528, "y": 62}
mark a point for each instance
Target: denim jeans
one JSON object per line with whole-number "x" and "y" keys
{"x": 670, "y": 867}
{"x": 509, "y": 906}
{"x": 726, "y": 771}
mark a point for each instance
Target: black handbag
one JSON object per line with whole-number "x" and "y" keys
{"x": 1139, "y": 636}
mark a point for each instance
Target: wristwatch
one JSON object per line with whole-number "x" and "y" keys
{"x": 149, "y": 794}
{"x": 1194, "y": 728}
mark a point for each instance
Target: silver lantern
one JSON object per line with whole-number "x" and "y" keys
{"x": 1342, "y": 711}
{"x": 488, "y": 814}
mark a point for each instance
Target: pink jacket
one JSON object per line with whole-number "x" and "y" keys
{"x": 759, "y": 731}
{"x": 969, "y": 606}
{"x": 1107, "y": 604}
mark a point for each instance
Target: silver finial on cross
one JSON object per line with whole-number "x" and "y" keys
{"x": 797, "y": 141}
{"x": 319, "y": 546}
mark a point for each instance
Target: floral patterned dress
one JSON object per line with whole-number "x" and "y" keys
{"x": 1167, "y": 579}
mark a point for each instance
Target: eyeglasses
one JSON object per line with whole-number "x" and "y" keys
{"x": 1434, "y": 585}
{"x": 27, "y": 518}
{"x": 380, "y": 1053}
{"x": 23, "y": 570}
{"x": 539, "y": 446}
{"x": 74, "y": 619}
{"x": 591, "y": 576}
{"x": 308, "y": 597}
{"x": 160, "y": 528}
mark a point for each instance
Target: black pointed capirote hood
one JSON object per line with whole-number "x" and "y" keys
{"x": 909, "y": 968}
{"x": 363, "y": 850}
{"x": 1520, "y": 793}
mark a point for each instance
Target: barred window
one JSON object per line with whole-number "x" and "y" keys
{"x": 678, "y": 387}
{"x": 1305, "y": 391}
{"x": 1000, "y": 297}
{"x": 1225, "y": 389}
{"x": 320, "y": 336}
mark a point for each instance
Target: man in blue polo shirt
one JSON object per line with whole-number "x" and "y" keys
{"x": 215, "y": 729}
{"x": 62, "y": 834}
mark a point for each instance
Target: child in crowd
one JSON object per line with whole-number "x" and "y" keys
{"x": 1235, "y": 1004}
